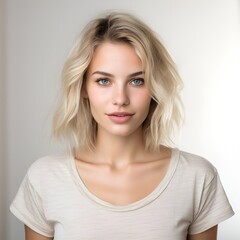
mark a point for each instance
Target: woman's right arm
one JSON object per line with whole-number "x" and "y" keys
{"x": 32, "y": 235}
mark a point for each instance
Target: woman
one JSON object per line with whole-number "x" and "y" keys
{"x": 121, "y": 180}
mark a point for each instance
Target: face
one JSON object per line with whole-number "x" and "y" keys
{"x": 118, "y": 97}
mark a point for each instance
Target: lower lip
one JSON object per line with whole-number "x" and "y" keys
{"x": 118, "y": 119}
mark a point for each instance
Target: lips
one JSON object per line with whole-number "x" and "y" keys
{"x": 120, "y": 114}
{"x": 120, "y": 117}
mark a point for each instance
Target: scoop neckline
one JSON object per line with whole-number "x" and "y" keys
{"x": 131, "y": 206}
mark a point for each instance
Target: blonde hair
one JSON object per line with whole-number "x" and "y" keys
{"x": 73, "y": 120}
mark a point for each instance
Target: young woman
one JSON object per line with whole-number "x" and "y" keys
{"x": 119, "y": 106}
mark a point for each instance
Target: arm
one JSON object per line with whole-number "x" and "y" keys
{"x": 210, "y": 234}
{"x": 32, "y": 235}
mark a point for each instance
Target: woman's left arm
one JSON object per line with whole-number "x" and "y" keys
{"x": 210, "y": 234}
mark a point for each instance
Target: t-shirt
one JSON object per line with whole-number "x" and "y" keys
{"x": 53, "y": 201}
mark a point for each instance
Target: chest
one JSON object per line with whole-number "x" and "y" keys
{"x": 82, "y": 219}
{"x": 124, "y": 186}
{"x": 76, "y": 216}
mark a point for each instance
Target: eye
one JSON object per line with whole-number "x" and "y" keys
{"x": 137, "y": 82}
{"x": 103, "y": 81}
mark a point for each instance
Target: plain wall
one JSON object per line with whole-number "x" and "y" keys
{"x": 203, "y": 38}
{"x": 2, "y": 127}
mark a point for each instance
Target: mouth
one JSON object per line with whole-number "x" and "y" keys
{"x": 120, "y": 114}
{"x": 120, "y": 117}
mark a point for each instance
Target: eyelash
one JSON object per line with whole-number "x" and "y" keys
{"x": 138, "y": 79}
{"x": 100, "y": 80}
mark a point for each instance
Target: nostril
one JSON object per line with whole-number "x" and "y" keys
{"x": 120, "y": 98}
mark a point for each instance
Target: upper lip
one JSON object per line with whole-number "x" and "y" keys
{"x": 120, "y": 114}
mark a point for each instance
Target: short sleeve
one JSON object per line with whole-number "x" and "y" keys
{"x": 28, "y": 208}
{"x": 214, "y": 207}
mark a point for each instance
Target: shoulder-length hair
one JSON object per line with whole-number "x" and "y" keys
{"x": 73, "y": 120}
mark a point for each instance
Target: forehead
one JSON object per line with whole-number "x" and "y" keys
{"x": 110, "y": 56}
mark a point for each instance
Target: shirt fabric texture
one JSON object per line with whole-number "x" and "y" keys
{"x": 53, "y": 201}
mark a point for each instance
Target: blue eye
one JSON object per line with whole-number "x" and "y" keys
{"x": 137, "y": 82}
{"x": 103, "y": 82}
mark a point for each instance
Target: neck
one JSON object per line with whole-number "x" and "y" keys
{"x": 117, "y": 150}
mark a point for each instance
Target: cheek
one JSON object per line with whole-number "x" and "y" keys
{"x": 144, "y": 100}
{"x": 98, "y": 100}
{"x": 94, "y": 96}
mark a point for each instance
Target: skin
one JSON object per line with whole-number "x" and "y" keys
{"x": 210, "y": 234}
{"x": 115, "y": 83}
{"x": 32, "y": 235}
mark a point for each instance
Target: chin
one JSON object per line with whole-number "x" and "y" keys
{"x": 124, "y": 132}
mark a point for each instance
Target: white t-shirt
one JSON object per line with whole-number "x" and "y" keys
{"x": 53, "y": 201}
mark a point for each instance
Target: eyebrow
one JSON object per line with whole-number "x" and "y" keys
{"x": 111, "y": 75}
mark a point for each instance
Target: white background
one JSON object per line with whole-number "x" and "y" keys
{"x": 203, "y": 37}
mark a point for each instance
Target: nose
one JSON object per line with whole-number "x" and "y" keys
{"x": 120, "y": 96}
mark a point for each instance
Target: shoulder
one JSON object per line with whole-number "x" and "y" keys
{"x": 48, "y": 163}
{"x": 49, "y": 160}
{"x": 196, "y": 166}
{"x": 48, "y": 169}
{"x": 194, "y": 161}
